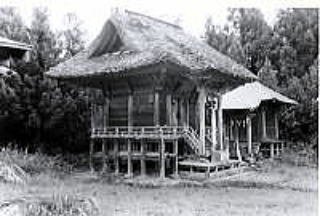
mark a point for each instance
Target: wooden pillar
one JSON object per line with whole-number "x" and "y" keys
{"x": 91, "y": 155}
{"x": 130, "y": 110}
{"x": 104, "y": 156}
{"x": 188, "y": 112}
{"x": 129, "y": 159}
{"x": 202, "y": 117}
{"x": 271, "y": 150}
{"x": 175, "y": 113}
{"x": 182, "y": 113}
{"x": 162, "y": 158}
{"x": 169, "y": 109}
{"x": 116, "y": 156}
{"x": 249, "y": 134}
{"x": 176, "y": 152}
{"x": 220, "y": 122}
{"x": 236, "y": 140}
{"x": 213, "y": 130}
{"x": 276, "y": 125}
{"x": 263, "y": 123}
{"x": 156, "y": 109}
{"x": 106, "y": 113}
{"x": 277, "y": 149}
{"x": 142, "y": 160}
{"x": 92, "y": 117}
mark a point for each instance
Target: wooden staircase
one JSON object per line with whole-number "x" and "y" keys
{"x": 192, "y": 139}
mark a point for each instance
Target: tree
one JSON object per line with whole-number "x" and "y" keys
{"x": 302, "y": 120}
{"x": 295, "y": 42}
{"x": 46, "y": 49}
{"x": 268, "y": 75}
{"x": 44, "y": 113}
{"x": 72, "y": 36}
{"x": 12, "y": 26}
{"x": 225, "y": 41}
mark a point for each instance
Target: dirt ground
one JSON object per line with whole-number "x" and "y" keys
{"x": 280, "y": 190}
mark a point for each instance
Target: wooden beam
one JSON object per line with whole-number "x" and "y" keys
{"x": 169, "y": 109}
{"x": 202, "y": 117}
{"x": 130, "y": 174}
{"x": 249, "y": 134}
{"x": 163, "y": 159}
{"x": 142, "y": 160}
{"x": 91, "y": 155}
{"x": 116, "y": 156}
{"x": 156, "y": 113}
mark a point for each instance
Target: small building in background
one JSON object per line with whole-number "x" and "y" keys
{"x": 251, "y": 116}
{"x": 10, "y": 52}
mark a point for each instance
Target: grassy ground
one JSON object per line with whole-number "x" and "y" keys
{"x": 276, "y": 190}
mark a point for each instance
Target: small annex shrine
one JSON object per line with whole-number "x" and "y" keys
{"x": 157, "y": 95}
{"x": 251, "y": 121}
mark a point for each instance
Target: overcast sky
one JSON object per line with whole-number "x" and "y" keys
{"x": 191, "y": 13}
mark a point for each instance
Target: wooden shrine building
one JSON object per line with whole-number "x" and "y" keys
{"x": 10, "y": 51}
{"x": 251, "y": 122}
{"x": 154, "y": 87}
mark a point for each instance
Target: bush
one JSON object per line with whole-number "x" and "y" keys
{"x": 57, "y": 205}
{"x": 34, "y": 163}
{"x": 63, "y": 205}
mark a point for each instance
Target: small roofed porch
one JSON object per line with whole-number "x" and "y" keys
{"x": 251, "y": 115}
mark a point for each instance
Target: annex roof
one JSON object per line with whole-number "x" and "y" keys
{"x": 250, "y": 96}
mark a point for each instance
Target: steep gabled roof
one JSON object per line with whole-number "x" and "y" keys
{"x": 130, "y": 40}
{"x": 250, "y": 96}
{"x": 7, "y": 43}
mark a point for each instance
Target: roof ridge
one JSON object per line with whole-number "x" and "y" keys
{"x": 153, "y": 18}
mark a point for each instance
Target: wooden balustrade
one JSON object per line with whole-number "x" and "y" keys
{"x": 139, "y": 132}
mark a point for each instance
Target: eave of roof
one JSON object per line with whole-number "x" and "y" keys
{"x": 4, "y": 42}
{"x": 250, "y": 96}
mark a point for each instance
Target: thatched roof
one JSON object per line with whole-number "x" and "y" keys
{"x": 7, "y": 43}
{"x": 130, "y": 40}
{"x": 250, "y": 96}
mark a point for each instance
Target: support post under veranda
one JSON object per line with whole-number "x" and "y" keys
{"x": 162, "y": 159}
{"x": 104, "y": 156}
{"x": 142, "y": 160}
{"x": 116, "y": 156}
{"x": 91, "y": 149}
{"x": 176, "y": 161}
{"x": 130, "y": 173}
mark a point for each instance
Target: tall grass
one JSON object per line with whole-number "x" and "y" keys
{"x": 62, "y": 205}
{"x": 34, "y": 163}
